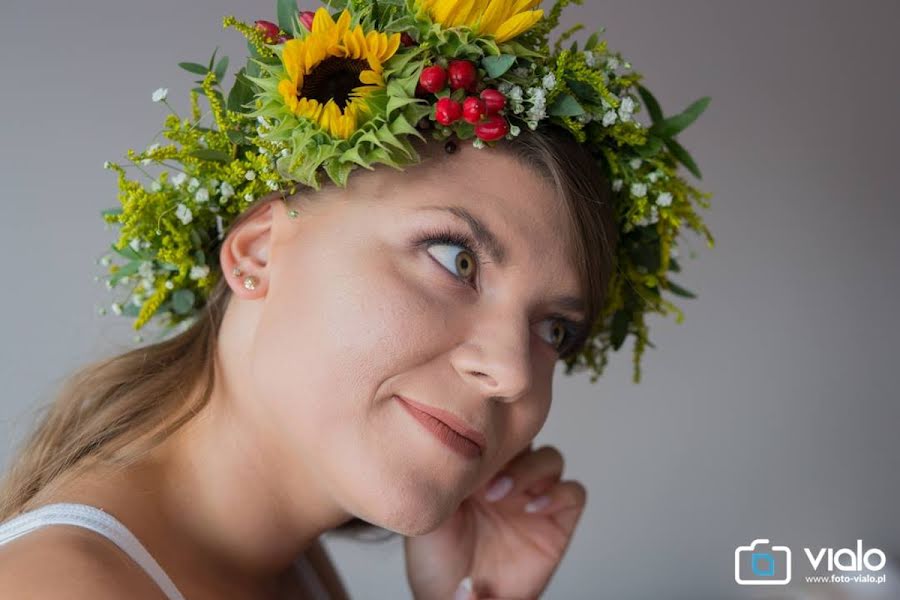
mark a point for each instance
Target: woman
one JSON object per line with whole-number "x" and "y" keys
{"x": 303, "y": 429}
{"x": 376, "y": 352}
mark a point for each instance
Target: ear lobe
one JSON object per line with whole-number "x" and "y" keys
{"x": 248, "y": 247}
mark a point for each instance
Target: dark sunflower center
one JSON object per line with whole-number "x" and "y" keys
{"x": 333, "y": 79}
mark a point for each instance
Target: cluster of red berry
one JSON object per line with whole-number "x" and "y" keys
{"x": 482, "y": 111}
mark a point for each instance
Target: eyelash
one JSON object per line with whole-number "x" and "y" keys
{"x": 464, "y": 241}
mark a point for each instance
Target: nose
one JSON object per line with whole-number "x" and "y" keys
{"x": 496, "y": 358}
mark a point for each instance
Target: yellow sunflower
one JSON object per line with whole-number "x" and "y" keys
{"x": 332, "y": 69}
{"x": 503, "y": 19}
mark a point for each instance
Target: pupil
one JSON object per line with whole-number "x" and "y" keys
{"x": 333, "y": 79}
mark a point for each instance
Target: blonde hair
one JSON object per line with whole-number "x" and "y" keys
{"x": 117, "y": 409}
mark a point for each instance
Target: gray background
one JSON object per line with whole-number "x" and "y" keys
{"x": 770, "y": 412}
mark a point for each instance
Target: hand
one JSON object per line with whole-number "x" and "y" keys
{"x": 509, "y": 553}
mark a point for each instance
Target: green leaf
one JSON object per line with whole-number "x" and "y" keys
{"x": 183, "y": 301}
{"x": 591, "y": 42}
{"x": 241, "y": 93}
{"x": 213, "y": 59}
{"x": 651, "y": 104}
{"x": 194, "y": 68}
{"x": 650, "y": 148}
{"x": 566, "y": 106}
{"x": 619, "y": 328}
{"x": 680, "y": 291}
{"x": 683, "y": 157}
{"x": 210, "y": 154}
{"x": 286, "y": 11}
{"x": 674, "y": 266}
{"x": 126, "y": 252}
{"x": 672, "y": 126}
{"x": 111, "y": 211}
{"x": 496, "y": 66}
{"x": 221, "y": 67}
{"x": 584, "y": 91}
{"x": 130, "y": 269}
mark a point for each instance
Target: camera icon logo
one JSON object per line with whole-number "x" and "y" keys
{"x": 762, "y": 564}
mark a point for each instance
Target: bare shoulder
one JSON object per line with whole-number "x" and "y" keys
{"x": 63, "y": 561}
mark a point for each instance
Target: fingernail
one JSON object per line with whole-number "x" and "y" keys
{"x": 464, "y": 591}
{"x": 499, "y": 489}
{"x": 537, "y": 504}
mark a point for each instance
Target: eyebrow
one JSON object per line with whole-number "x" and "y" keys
{"x": 498, "y": 252}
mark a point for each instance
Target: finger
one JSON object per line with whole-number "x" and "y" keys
{"x": 564, "y": 502}
{"x": 532, "y": 472}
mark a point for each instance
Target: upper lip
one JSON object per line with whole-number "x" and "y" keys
{"x": 450, "y": 420}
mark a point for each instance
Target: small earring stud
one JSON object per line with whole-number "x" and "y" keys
{"x": 237, "y": 272}
{"x": 250, "y": 282}
{"x": 293, "y": 214}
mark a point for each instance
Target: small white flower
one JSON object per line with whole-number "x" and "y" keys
{"x": 107, "y": 164}
{"x": 160, "y": 94}
{"x": 549, "y": 81}
{"x": 652, "y": 177}
{"x": 135, "y": 244}
{"x": 156, "y": 186}
{"x": 609, "y": 118}
{"x": 179, "y": 179}
{"x": 219, "y": 226}
{"x": 193, "y": 184}
{"x": 109, "y": 284}
{"x": 664, "y": 199}
{"x": 584, "y": 118}
{"x": 137, "y": 299}
{"x": 589, "y": 59}
{"x": 146, "y": 269}
{"x": 101, "y": 311}
{"x": 515, "y": 93}
{"x": 285, "y": 152}
{"x": 617, "y": 185}
{"x": 202, "y": 195}
{"x": 105, "y": 261}
{"x": 248, "y": 197}
{"x": 226, "y": 190}
{"x": 184, "y": 213}
{"x": 250, "y": 175}
{"x": 514, "y": 130}
{"x": 635, "y": 163}
{"x": 626, "y": 108}
{"x": 199, "y": 272}
{"x": 638, "y": 190}
{"x": 169, "y": 285}
{"x": 264, "y": 151}
{"x": 612, "y": 63}
{"x": 477, "y": 143}
{"x": 272, "y": 184}
{"x": 116, "y": 308}
{"x": 152, "y": 148}
{"x": 214, "y": 183}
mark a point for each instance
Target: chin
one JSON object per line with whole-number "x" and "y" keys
{"x": 410, "y": 512}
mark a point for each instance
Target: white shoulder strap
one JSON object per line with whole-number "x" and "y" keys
{"x": 96, "y": 519}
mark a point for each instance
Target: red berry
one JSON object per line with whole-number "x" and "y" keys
{"x": 407, "y": 40}
{"x": 306, "y": 17}
{"x": 269, "y": 29}
{"x": 462, "y": 75}
{"x": 473, "y": 109}
{"x": 492, "y": 129}
{"x": 447, "y": 111}
{"x": 433, "y": 79}
{"x": 494, "y": 101}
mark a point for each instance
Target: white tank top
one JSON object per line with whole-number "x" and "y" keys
{"x": 96, "y": 519}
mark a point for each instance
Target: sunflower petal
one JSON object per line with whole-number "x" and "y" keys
{"x": 517, "y": 24}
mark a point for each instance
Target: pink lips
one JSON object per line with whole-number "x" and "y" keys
{"x": 447, "y": 428}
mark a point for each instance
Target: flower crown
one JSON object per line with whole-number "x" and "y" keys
{"x": 351, "y": 86}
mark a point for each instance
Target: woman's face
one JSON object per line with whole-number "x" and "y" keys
{"x": 355, "y": 307}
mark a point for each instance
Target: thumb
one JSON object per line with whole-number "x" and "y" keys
{"x": 465, "y": 590}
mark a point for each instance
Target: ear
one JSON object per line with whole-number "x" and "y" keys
{"x": 248, "y": 247}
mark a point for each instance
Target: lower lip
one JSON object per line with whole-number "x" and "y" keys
{"x": 447, "y": 436}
